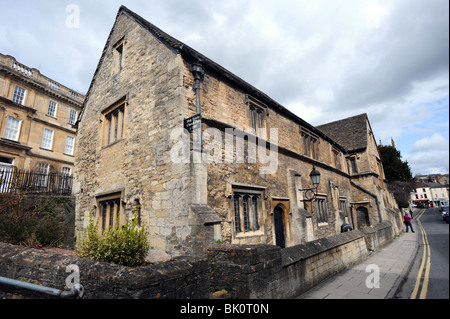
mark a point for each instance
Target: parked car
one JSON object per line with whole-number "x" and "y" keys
{"x": 444, "y": 211}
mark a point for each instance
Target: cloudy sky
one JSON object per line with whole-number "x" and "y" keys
{"x": 324, "y": 60}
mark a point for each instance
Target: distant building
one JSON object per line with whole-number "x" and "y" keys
{"x": 430, "y": 194}
{"x": 37, "y": 115}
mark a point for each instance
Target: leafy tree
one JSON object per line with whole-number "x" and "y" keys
{"x": 398, "y": 174}
{"x": 394, "y": 168}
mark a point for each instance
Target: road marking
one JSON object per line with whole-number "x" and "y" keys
{"x": 426, "y": 260}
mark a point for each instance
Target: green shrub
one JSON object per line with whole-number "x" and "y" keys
{"x": 124, "y": 245}
{"x": 31, "y": 221}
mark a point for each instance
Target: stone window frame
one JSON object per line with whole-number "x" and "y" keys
{"x": 310, "y": 144}
{"x": 113, "y": 118}
{"x": 105, "y": 204}
{"x": 257, "y": 115}
{"x": 353, "y": 165}
{"x": 118, "y": 56}
{"x": 246, "y": 222}
{"x": 343, "y": 205}
{"x": 321, "y": 209}
{"x": 337, "y": 161}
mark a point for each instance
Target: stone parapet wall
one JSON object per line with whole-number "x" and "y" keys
{"x": 246, "y": 271}
{"x": 378, "y": 236}
{"x": 265, "y": 271}
{"x": 180, "y": 278}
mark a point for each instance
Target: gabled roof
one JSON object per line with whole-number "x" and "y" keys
{"x": 191, "y": 56}
{"x": 351, "y": 132}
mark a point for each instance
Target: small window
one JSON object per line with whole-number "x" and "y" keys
{"x": 353, "y": 165}
{"x": 12, "y": 131}
{"x": 343, "y": 206}
{"x": 47, "y": 139}
{"x": 257, "y": 114}
{"x": 70, "y": 143}
{"x": 52, "y": 108}
{"x": 337, "y": 159}
{"x": 118, "y": 56}
{"x": 309, "y": 145}
{"x": 19, "y": 95}
{"x": 110, "y": 211}
{"x": 247, "y": 210}
{"x": 73, "y": 117}
{"x": 320, "y": 209}
{"x": 119, "y": 50}
{"x": 114, "y": 123}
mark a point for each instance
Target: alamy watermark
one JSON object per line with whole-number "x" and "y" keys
{"x": 74, "y": 278}
{"x": 73, "y": 18}
{"x": 229, "y": 148}
{"x": 373, "y": 280}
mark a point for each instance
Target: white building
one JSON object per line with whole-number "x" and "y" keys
{"x": 430, "y": 194}
{"x": 439, "y": 194}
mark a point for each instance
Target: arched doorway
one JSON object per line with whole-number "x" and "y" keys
{"x": 362, "y": 217}
{"x": 278, "y": 219}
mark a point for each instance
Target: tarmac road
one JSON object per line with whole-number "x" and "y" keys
{"x": 429, "y": 276}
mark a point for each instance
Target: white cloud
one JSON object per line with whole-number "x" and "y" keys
{"x": 430, "y": 155}
{"x": 431, "y": 162}
{"x": 436, "y": 142}
{"x": 324, "y": 60}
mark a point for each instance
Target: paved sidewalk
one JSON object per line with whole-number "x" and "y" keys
{"x": 394, "y": 262}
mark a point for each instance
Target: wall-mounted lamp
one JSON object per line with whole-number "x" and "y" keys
{"x": 310, "y": 193}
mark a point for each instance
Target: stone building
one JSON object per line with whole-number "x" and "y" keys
{"x": 240, "y": 176}
{"x": 365, "y": 168}
{"x": 37, "y": 115}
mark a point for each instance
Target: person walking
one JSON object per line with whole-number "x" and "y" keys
{"x": 407, "y": 222}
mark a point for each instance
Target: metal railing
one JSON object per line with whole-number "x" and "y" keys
{"x": 13, "y": 180}
{"x": 76, "y": 291}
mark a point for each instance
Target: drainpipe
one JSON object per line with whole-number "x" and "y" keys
{"x": 76, "y": 291}
{"x": 198, "y": 71}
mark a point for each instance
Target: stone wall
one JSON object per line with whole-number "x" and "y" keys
{"x": 246, "y": 271}
{"x": 178, "y": 279}
{"x": 138, "y": 166}
{"x": 265, "y": 271}
{"x": 379, "y": 235}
